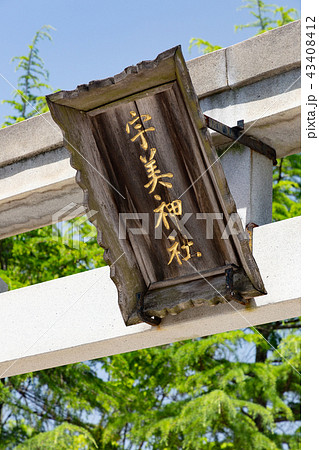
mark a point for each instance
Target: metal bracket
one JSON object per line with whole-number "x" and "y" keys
{"x": 230, "y": 287}
{"x": 236, "y": 134}
{"x": 142, "y": 314}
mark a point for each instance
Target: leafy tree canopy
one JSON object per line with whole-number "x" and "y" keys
{"x": 266, "y": 18}
{"x": 27, "y": 99}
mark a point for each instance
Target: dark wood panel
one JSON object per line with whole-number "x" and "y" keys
{"x": 177, "y": 153}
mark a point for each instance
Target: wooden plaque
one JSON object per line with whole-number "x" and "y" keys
{"x": 145, "y": 159}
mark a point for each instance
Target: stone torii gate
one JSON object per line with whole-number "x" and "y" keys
{"x": 77, "y": 318}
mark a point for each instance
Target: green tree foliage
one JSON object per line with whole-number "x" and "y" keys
{"x": 64, "y": 437}
{"x": 287, "y": 188}
{"x": 259, "y": 10}
{"x": 267, "y": 16}
{"x": 235, "y": 390}
{"x": 228, "y": 391}
{"x": 44, "y": 255}
{"x": 199, "y": 43}
{"x": 27, "y": 99}
{"x": 201, "y": 394}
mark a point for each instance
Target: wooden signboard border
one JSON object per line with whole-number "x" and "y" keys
{"x": 80, "y": 114}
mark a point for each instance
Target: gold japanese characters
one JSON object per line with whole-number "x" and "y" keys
{"x": 172, "y": 209}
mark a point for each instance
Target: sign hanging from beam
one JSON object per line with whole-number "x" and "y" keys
{"x": 139, "y": 143}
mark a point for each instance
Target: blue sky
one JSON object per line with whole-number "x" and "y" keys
{"x": 96, "y": 39}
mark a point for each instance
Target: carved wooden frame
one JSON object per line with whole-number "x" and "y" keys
{"x": 85, "y": 116}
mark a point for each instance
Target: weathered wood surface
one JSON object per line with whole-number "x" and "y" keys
{"x": 94, "y": 119}
{"x": 206, "y": 290}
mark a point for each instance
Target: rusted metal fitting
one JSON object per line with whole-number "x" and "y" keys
{"x": 230, "y": 287}
{"x": 142, "y": 314}
{"x": 237, "y": 134}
